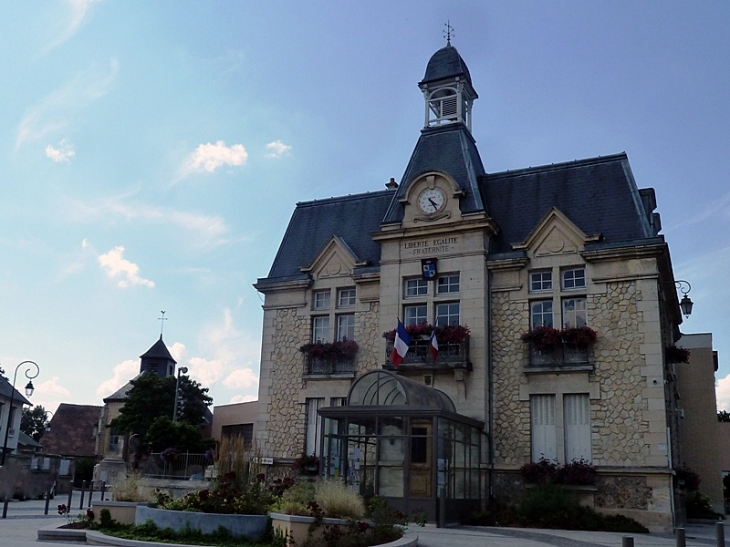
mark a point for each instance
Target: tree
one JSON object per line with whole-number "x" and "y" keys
{"x": 152, "y": 397}
{"x": 33, "y": 422}
{"x": 723, "y": 416}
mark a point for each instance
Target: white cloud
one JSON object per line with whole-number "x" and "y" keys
{"x": 277, "y": 149}
{"x": 243, "y": 399}
{"x": 177, "y": 350}
{"x": 69, "y": 25}
{"x": 84, "y": 243}
{"x": 62, "y": 153}
{"x": 722, "y": 392}
{"x": 58, "y": 109}
{"x": 209, "y": 157}
{"x": 206, "y": 371}
{"x": 52, "y": 388}
{"x": 241, "y": 379}
{"x": 209, "y": 230}
{"x": 123, "y": 373}
{"x": 117, "y": 266}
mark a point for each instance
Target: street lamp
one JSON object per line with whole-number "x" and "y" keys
{"x": 181, "y": 370}
{"x": 28, "y": 392}
{"x": 686, "y": 303}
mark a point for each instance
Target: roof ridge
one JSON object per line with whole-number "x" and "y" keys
{"x": 562, "y": 165}
{"x": 348, "y": 197}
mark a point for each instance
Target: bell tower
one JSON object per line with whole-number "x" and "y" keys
{"x": 447, "y": 89}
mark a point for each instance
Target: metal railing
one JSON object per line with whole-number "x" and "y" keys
{"x": 564, "y": 354}
{"x": 329, "y": 365}
{"x": 181, "y": 466}
{"x": 450, "y": 355}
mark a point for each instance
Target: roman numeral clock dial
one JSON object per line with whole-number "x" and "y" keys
{"x": 431, "y": 200}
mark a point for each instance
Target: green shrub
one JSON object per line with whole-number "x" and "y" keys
{"x": 699, "y": 506}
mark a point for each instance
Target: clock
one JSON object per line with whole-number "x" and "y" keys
{"x": 431, "y": 200}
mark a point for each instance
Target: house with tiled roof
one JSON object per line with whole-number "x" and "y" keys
{"x": 72, "y": 431}
{"x": 11, "y": 409}
{"x": 536, "y": 306}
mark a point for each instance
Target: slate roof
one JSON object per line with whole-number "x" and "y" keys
{"x": 6, "y": 390}
{"x": 121, "y": 393}
{"x": 445, "y": 63}
{"x": 158, "y": 351}
{"x": 352, "y": 218}
{"x": 598, "y": 195}
{"x": 449, "y": 148}
{"x": 73, "y": 431}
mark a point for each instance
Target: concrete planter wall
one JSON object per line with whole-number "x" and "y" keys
{"x": 296, "y": 528}
{"x": 121, "y": 511}
{"x": 249, "y": 526}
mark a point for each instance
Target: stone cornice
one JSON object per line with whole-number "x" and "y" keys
{"x": 625, "y": 253}
{"x": 389, "y": 233}
{"x": 507, "y": 263}
{"x": 299, "y": 284}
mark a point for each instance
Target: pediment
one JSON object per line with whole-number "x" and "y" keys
{"x": 335, "y": 259}
{"x": 555, "y": 234}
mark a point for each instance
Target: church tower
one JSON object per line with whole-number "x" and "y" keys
{"x": 158, "y": 360}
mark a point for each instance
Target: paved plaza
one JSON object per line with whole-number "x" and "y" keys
{"x": 24, "y": 519}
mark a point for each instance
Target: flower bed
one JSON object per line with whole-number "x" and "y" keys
{"x": 249, "y": 526}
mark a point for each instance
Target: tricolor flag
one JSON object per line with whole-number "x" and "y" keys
{"x": 400, "y": 346}
{"x": 434, "y": 345}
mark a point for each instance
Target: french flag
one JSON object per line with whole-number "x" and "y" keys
{"x": 434, "y": 345}
{"x": 400, "y": 346}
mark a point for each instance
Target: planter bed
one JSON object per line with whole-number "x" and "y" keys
{"x": 249, "y": 526}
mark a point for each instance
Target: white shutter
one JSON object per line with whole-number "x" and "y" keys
{"x": 577, "y": 421}
{"x": 544, "y": 431}
{"x": 313, "y": 426}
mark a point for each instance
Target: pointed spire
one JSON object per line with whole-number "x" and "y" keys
{"x": 448, "y": 32}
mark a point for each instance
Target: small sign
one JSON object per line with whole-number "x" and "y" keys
{"x": 267, "y": 461}
{"x": 428, "y": 268}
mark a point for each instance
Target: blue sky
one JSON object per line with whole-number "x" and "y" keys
{"x": 151, "y": 153}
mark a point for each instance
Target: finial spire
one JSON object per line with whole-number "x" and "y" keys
{"x": 162, "y": 322}
{"x": 448, "y": 32}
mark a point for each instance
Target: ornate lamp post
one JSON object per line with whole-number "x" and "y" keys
{"x": 28, "y": 392}
{"x": 686, "y": 303}
{"x": 181, "y": 370}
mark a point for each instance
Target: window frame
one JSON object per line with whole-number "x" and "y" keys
{"x": 563, "y": 280}
{"x": 575, "y": 312}
{"x": 542, "y": 281}
{"x": 338, "y": 326}
{"x": 448, "y": 284}
{"x": 352, "y": 298}
{"x": 421, "y": 287}
{"x": 420, "y": 318}
{"x": 316, "y": 328}
{"x": 326, "y": 295}
{"x": 448, "y": 315}
{"x": 543, "y": 313}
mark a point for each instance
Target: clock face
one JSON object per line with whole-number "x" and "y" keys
{"x": 431, "y": 200}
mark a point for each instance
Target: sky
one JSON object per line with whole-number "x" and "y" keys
{"x": 152, "y": 153}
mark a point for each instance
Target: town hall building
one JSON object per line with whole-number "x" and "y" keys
{"x": 552, "y": 298}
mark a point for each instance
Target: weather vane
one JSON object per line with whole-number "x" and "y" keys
{"x": 162, "y": 322}
{"x": 448, "y": 32}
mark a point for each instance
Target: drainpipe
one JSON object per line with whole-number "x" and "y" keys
{"x": 490, "y": 385}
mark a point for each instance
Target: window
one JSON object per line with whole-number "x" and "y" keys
{"x": 448, "y": 284}
{"x": 321, "y": 329}
{"x": 415, "y": 315}
{"x": 447, "y": 314}
{"x": 574, "y": 313}
{"x": 322, "y": 300}
{"x": 346, "y": 327}
{"x": 543, "y": 427}
{"x": 541, "y": 281}
{"x": 541, "y": 313}
{"x": 574, "y": 279}
{"x": 345, "y": 298}
{"x": 577, "y": 423}
{"x": 416, "y": 287}
{"x": 313, "y": 426}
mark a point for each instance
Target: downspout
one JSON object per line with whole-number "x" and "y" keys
{"x": 490, "y": 385}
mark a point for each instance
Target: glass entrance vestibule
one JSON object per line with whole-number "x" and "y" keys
{"x": 404, "y": 441}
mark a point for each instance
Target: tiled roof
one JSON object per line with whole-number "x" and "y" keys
{"x": 451, "y": 149}
{"x": 445, "y": 63}
{"x": 158, "y": 351}
{"x": 72, "y": 431}
{"x": 598, "y": 195}
{"x": 352, "y": 218}
{"x": 6, "y": 391}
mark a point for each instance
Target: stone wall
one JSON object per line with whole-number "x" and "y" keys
{"x": 285, "y": 425}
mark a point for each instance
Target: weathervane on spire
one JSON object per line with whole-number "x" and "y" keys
{"x": 162, "y": 322}
{"x": 448, "y": 32}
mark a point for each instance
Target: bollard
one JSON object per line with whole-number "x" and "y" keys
{"x": 720, "y": 533}
{"x": 70, "y": 495}
{"x": 91, "y": 491}
{"x": 83, "y": 491}
{"x": 103, "y": 489}
{"x": 5, "y": 508}
{"x": 627, "y": 541}
{"x": 681, "y": 540}
{"x": 48, "y": 500}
